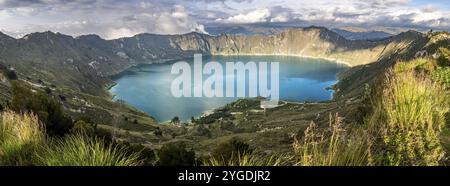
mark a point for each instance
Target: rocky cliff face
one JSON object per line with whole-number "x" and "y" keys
{"x": 311, "y": 42}
{"x": 308, "y": 42}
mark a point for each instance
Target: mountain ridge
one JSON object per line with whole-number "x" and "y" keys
{"x": 86, "y": 63}
{"x": 92, "y": 59}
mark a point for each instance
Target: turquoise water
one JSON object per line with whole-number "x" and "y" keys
{"x": 148, "y": 87}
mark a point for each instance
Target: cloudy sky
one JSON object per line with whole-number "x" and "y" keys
{"x": 114, "y": 19}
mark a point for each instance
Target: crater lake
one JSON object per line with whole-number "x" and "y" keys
{"x": 148, "y": 87}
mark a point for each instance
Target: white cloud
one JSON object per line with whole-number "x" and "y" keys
{"x": 259, "y": 15}
{"x": 280, "y": 18}
{"x": 112, "y": 19}
{"x": 120, "y": 21}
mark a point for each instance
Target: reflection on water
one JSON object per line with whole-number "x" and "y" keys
{"x": 147, "y": 87}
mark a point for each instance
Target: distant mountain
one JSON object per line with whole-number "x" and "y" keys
{"x": 245, "y": 30}
{"x": 5, "y": 39}
{"x": 362, "y": 35}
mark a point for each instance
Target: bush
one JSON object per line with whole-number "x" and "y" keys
{"x": 83, "y": 127}
{"x": 81, "y": 150}
{"x": 442, "y": 75}
{"x": 231, "y": 150}
{"x": 146, "y": 154}
{"x": 175, "y": 120}
{"x": 20, "y": 138}
{"x": 48, "y": 110}
{"x": 11, "y": 75}
{"x": 176, "y": 154}
{"x": 444, "y": 57}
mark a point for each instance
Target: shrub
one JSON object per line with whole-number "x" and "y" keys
{"x": 146, "y": 154}
{"x": 81, "y": 150}
{"x": 83, "y": 127}
{"x": 409, "y": 117}
{"x": 444, "y": 57}
{"x": 442, "y": 75}
{"x": 48, "y": 110}
{"x": 176, "y": 154}
{"x": 11, "y": 75}
{"x": 175, "y": 120}
{"x": 20, "y": 137}
{"x": 231, "y": 150}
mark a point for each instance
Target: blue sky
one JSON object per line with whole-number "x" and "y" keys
{"x": 114, "y": 19}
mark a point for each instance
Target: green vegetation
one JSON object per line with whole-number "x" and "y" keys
{"x": 24, "y": 142}
{"x": 176, "y": 154}
{"x": 444, "y": 57}
{"x": 410, "y": 117}
{"x": 411, "y": 65}
{"x": 332, "y": 147}
{"x": 248, "y": 160}
{"x": 212, "y": 117}
{"x": 231, "y": 150}
{"x": 442, "y": 75}
{"x": 80, "y": 150}
{"x": 21, "y": 137}
{"x": 405, "y": 125}
{"x": 235, "y": 152}
{"x": 48, "y": 110}
{"x": 10, "y": 74}
{"x": 175, "y": 120}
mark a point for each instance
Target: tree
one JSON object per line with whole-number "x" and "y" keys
{"x": 11, "y": 75}
{"x": 175, "y": 120}
{"x": 175, "y": 154}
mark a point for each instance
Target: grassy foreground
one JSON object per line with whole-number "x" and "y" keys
{"x": 24, "y": 142}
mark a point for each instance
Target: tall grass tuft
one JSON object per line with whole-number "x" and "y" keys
{"x": 23, "y": 142}
{"x": 409, "y": 117}
{"x": 413, "y": 65}
{"x": 81, "y": 150}
{"x": 332, "y": 147}
{"x": 248, "y": 159}
{"x": 20, "y": 137}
